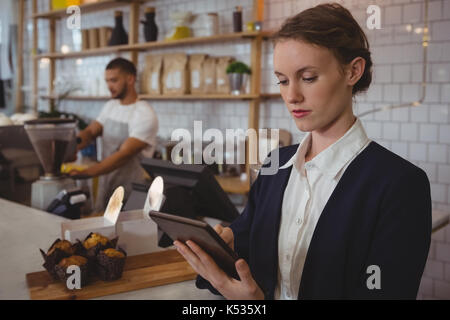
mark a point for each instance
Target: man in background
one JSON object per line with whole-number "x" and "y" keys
{"x": 128, "y": 128}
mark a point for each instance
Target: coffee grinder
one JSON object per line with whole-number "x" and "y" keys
{"x": 52, "y": 139}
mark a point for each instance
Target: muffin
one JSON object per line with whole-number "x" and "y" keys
{"x": 82, "y": 262}
{"x": 95, "y": 242}
{"x": 110, "y": 263}
{"x": 58, "y": 250}
{"x": 79, "y": 249}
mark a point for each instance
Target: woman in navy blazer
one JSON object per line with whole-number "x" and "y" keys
{"x": 372, "y": 238}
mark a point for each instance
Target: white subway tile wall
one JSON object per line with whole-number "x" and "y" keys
{"x": 420, "y": 134}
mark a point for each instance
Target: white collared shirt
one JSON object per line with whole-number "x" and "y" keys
{"x": 140, "y": 117}
{"x": 309, "y": 187}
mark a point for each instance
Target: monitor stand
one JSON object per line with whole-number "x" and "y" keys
{"x": 178, "y": 201}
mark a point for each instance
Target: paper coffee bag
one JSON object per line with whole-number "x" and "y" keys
{"x": 151, "y": 78}
{"x": 104, "y": 35}
{"x": 84, "y": 39}
{"x": 94, "y": 40}
{"x": 209, "y": 75}
{"x": 222, "y": 81}
{"x": 196, "y": 62}
{"x": 175, "y": 75}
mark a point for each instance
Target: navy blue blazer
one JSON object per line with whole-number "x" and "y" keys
{"x": 378, "y": 214}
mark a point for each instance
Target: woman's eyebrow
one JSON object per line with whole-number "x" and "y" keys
{"x": 299, "y": 71}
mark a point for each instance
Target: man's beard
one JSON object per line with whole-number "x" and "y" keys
{"x": 121, "y": 94}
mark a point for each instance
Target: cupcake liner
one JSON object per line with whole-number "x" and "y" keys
{"x": 51, "y": 260}
{"x": 62, "y": 274}
{"x": 110, "y": 268}
{"x": 98, "y": 263}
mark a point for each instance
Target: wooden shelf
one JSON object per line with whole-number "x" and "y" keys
{"x": 86, "y": 8}
{"x": 175, "y": 97}
{"x": 270, "y": 96}
{"x": 84, "y": 53}
{"x": 80, "y": 98}
{"x": 153, "y": 45}
{"x": 200, "y": 97}
{"x": 199, "y": 40}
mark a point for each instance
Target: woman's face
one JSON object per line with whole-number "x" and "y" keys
{"x": 312, "y": 84}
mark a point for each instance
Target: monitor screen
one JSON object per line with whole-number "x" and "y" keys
{"x": 191, "y": 190}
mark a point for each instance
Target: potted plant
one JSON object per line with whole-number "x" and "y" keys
{"x": 63, "y": 88}
{"x": 238, "y": 74}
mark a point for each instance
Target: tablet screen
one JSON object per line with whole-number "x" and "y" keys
{"x": 183, "y": 229}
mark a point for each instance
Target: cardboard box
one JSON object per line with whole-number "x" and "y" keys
{"x": 137, "y": 232}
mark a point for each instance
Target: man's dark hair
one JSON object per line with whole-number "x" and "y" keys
{"x": 122, "y": 64}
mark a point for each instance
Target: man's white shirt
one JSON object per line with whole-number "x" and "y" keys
{"x": 141, "y": 118}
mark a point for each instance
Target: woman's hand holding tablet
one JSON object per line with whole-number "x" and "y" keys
{"x": 230, "y": 288}
{"x": 211, "y": 254}
{"x": 226, "y": 234}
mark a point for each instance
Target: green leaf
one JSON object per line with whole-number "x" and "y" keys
{"x": 238, "y": 67}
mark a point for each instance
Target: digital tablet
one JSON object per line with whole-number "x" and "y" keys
{"x": 183, "y": 229}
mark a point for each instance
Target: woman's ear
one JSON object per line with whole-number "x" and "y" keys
{"x": 355, "y": 70}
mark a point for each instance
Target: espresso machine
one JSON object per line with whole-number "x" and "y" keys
{"x": 53, "y": 139}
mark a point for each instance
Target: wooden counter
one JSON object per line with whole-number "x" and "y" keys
{"x": 234, "y": 184}
{"x": 228, "y": 184}
{"x": 24, "y": 230}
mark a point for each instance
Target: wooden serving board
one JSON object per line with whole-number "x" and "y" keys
{"x": 141, "y": 271}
